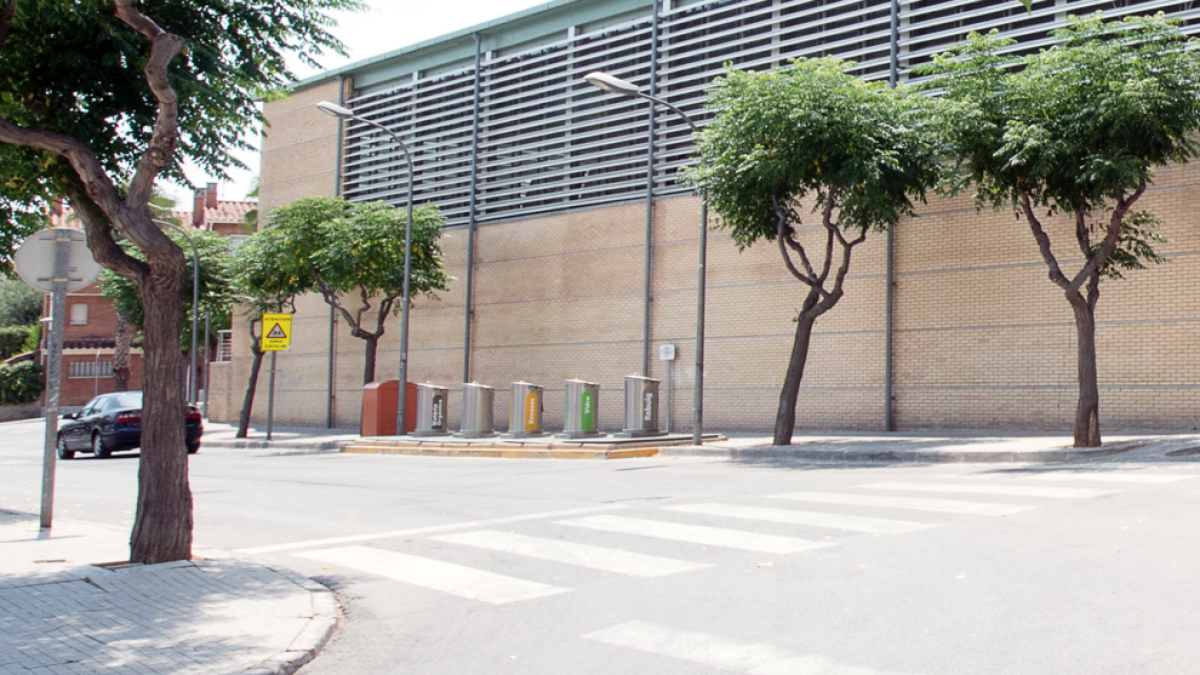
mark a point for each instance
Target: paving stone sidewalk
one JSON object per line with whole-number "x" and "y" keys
{"x": 60, "y": 615}
{"x": 290, "y": 439}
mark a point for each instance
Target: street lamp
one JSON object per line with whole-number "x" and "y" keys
{"x": 193, "y": 397}
{"x": 614, "y": 85}
{"x": 344, "y": 113}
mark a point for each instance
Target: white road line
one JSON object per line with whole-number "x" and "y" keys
{"x": 1018, "y": 490}
{"x": 697, "y": 534}
{"x": 465, "y": 582}
{"x": 915, "y": 503}
{"x": 1108, "y": 477}
{"x": 835, "y": 521}
{"x": 15, "y": 461}
{"x": 716, "y": 652}
{"x": 351, "y": 539}
{"x": 584, "y": 555}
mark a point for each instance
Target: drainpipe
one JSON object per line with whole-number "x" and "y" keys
{"x": 889, "y": 422}
{"x": 337, "y": 192}
{"x": 471, "y": 212}
{"x": 647, "y": 298}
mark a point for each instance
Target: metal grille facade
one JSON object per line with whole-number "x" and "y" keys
{"x": 90, "y": 369}
{"x": 549, "y": 141}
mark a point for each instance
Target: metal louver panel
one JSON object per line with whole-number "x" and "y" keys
{"x": 550, "y": 142}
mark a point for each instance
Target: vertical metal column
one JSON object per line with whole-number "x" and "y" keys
{"x": 889, "y": 424}
{"x": 271, "y": 399}
{"x": 647, "y": 298}
{"x": 471, "y": 211}
{"x": 58, "y": 317}
{"x": 337, "y": 192}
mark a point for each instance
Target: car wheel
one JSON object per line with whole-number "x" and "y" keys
{"x": 99, "y": 450}
{"x": 193, "y": 449}
{"x": 63, "y": 452}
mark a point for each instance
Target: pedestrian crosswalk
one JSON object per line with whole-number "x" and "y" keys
{"x": 788, "y": 523}
{"x": 718, "y": 652}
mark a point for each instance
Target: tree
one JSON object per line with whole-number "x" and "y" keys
{"x": 96, "y": 93}
{"x": 811, "y": 131}
{"x": 342, "y": 249}
{"x": 1077, "y": 129}
{"x": 259, "y": 288}
{"x": 20, "y": 303}
{"x": 216, "y": 285}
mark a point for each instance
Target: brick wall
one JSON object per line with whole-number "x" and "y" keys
{"x": 983, "y": 339}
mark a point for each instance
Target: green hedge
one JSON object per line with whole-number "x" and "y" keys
{"x": 13, "y": 339}
{"x": 21, "y": 383}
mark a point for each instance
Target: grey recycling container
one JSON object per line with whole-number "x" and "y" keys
{"x": 477, "y": 420}
{"x": 641, "y": 407}
{"x": 431, "y": 410}
{"x": 582, "y": 415}
{"x": 525, "y": 420}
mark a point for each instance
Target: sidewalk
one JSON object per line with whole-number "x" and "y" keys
{"x": 62, "y": 614}
{"x": 295, "y": 439}
{"x": 926, "y": 447}
{"x": 936, "y": 447}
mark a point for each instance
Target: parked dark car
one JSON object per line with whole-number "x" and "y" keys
{"x": 113, "y": 422}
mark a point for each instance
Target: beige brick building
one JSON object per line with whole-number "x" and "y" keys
{"x": 982, "y": 338}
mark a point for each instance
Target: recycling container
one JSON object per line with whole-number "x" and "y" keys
{"x": 525, "y": 419}
{"x": 380, "y": 402}
{"x": 641, "y": 407}
{"x": 477, "y": 420}
{"x": 581, "y": 410}
{"x": 431, "y": 410}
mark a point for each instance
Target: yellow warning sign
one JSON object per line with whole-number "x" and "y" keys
{"x": 277, "y": 332}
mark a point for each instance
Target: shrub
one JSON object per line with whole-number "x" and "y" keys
{"x": 21, "y": 383}
{"x": 34, "y": 341}
{"x": 13, "y": 339}
{"x": 20, "y": 304}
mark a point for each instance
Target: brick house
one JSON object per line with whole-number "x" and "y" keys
{"x": 89, "y": 337}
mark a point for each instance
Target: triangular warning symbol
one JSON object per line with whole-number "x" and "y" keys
{"x": 277, "y": 333}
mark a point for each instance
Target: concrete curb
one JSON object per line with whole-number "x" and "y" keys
{"x": 246, "y": 444}
{"x": 800, "y": 453}
{"x": 312, "y": 638}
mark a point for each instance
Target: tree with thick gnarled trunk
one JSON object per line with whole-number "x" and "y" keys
{"x": 356, "y": 250}
{"x": 1077, "y": 130}
{"x": 811, "y": 131}
{"x": 91, "y": 100}
{"x": 121, "y": 354}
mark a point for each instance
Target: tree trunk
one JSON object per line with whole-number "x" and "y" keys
{"x": 251, "y": 388}
{"x": 162, "y": 530}
{"x": 1087, "y": 413}
{"x": 369, "y": 359}
{"x": 121, "y": 367}
{"x": 785, "y": 418}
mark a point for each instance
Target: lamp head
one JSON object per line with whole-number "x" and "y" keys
{"x": 612, "y": 85}
{"x": 334, "y": 109}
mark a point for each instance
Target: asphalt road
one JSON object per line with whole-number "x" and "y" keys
{"x": 698, "y": 566}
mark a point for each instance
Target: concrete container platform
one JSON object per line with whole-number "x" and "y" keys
{"x": 547, "y": 447}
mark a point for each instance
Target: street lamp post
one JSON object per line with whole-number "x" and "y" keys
{"x": 192, "y": 379}
{"x": 620, "y": 87}
{"x": 344, "y": 113}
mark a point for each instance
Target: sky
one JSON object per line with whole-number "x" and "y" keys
{"x": 385, "y": 26}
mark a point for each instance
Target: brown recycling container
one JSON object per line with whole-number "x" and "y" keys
{"x": 379, "y": 403}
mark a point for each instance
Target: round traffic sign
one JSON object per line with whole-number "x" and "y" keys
{"x": 34, "y": 260}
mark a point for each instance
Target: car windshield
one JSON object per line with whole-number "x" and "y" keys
{"x": 127, "y": 399}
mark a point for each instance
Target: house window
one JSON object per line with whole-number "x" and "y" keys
{"x": 79, "y": 314}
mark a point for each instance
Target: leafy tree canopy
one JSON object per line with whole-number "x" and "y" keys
{"x": 20, "y": 303}
{"x": 811, "y": 129}
{"x": 1077, "y": 128}
{"x": 216, "y": 283}
{"x": 72, "y": 67}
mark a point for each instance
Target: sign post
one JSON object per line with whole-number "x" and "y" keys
{"x": 667, "y": 353}
{"x": 56, "y": 261}
{"x": 276, "y": 337}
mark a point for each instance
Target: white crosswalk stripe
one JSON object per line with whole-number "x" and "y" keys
{"x": 465, "y": 582}
{"x": 986, "y": 489}
{"x": 1107, "y": 477}
{"x": 698, "y": 534}
{"x": 584, "y": 555}
{"x": 835, "y": 521}
{"x": 915, "y": 503}
{"x": 717, "y": 652}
